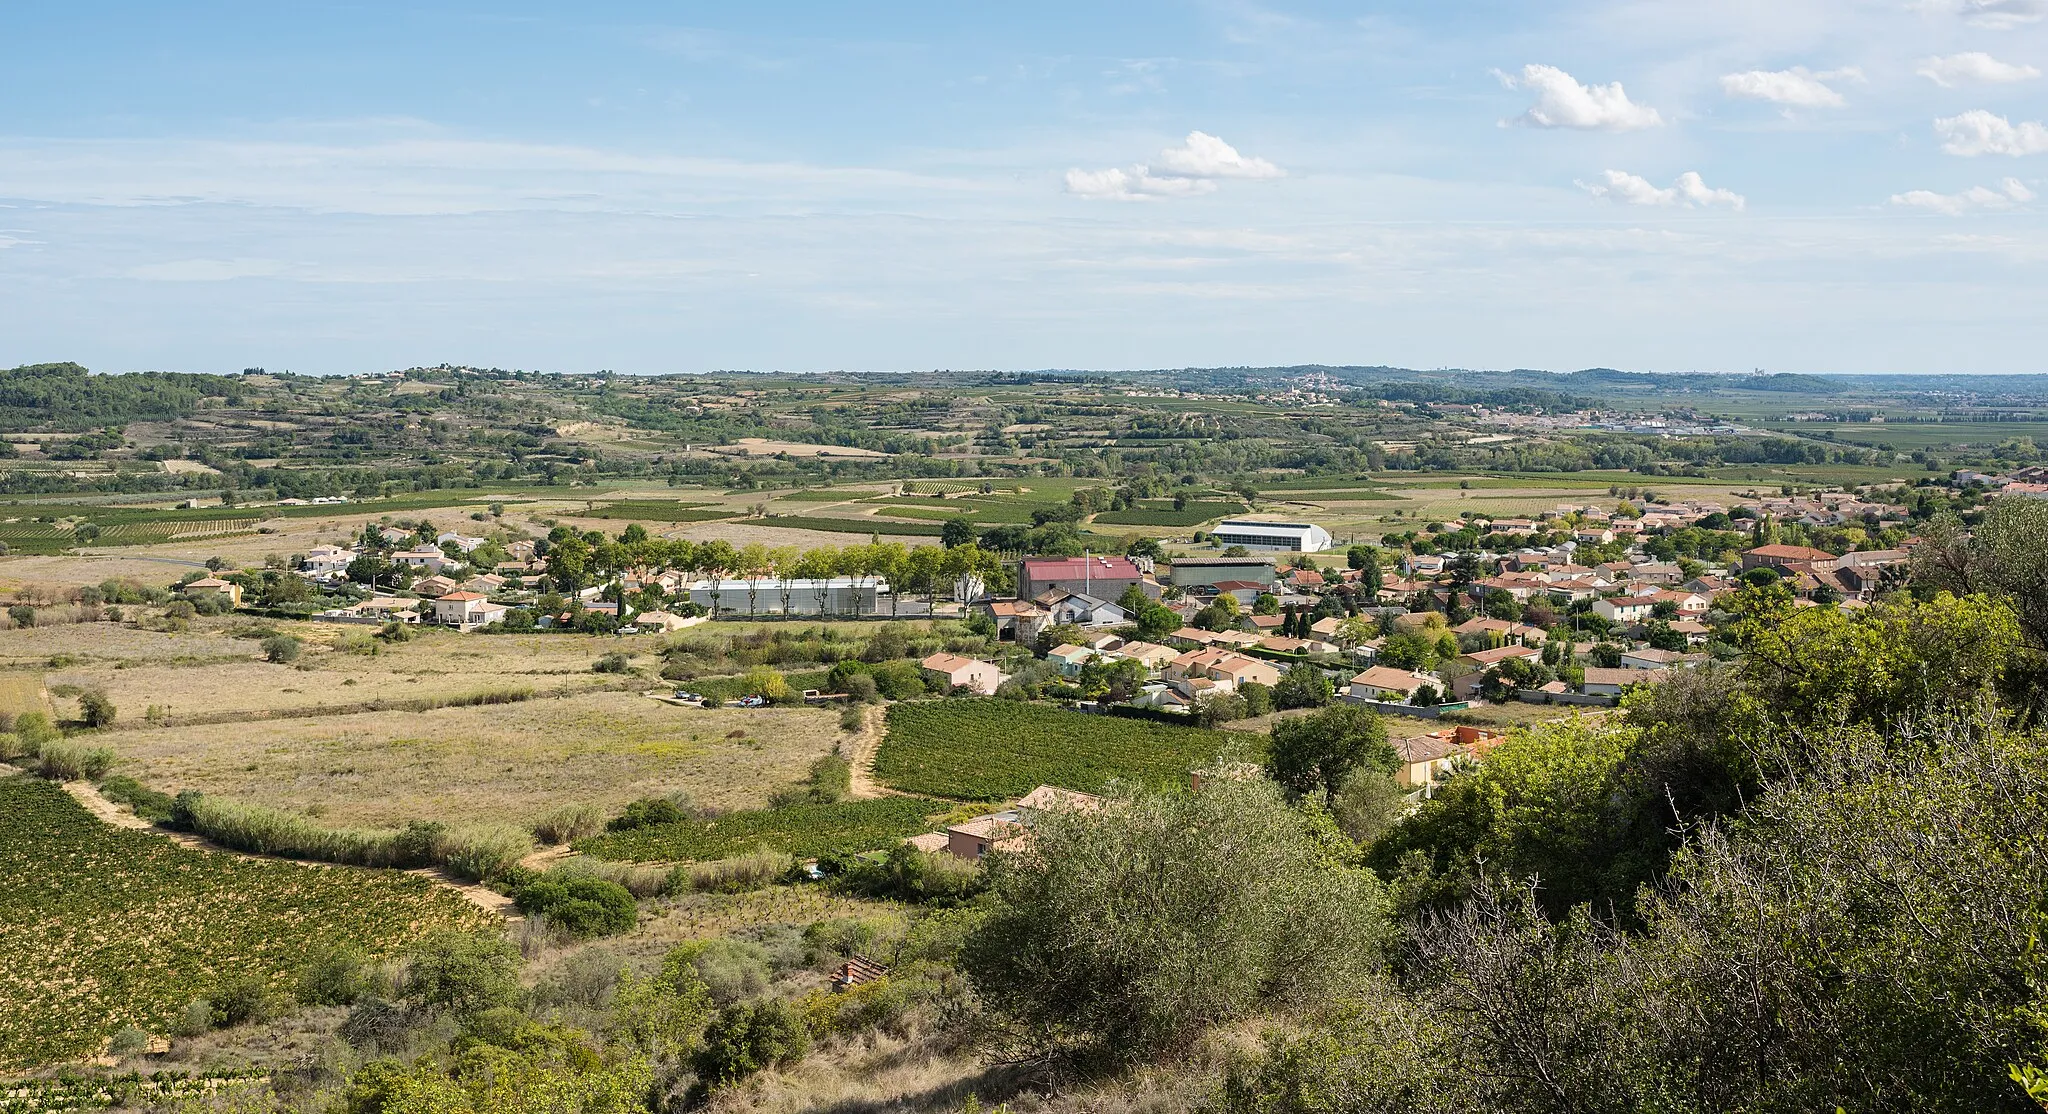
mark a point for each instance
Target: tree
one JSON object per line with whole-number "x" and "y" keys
{"x": 955, "y": 532}
{"x": 1409, "y": 649}
{"x": 95, "y": 708}
{"x": 1266, "y": 604}
{"x": 1318, "y": 752}
{"x": 2006, "y": 556}
{"x": 463, "y": 972}
{"x": 748, "y": 1037}
{"x": 1303, "y": 686}
{"x": 1129, "y": 930}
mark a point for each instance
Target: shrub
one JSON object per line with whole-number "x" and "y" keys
{"x": 281, "y": 649}
{"x": 730, "y": 969}
{"x": 852, "y": 718}
{"x": 62, "y": 761}
{"x": 35, "y": 728}
{"x": 335, "y": 977}
{"x": 745, "y": 1038}
{"x": 147, "y": 803}
{"x": 22, "y": 614}
{"x": 127, "y": 1041}
{"x": 581, "y": 907}
{"x": 646, "y": 813}
{"x": 613, "y": 663}
{"x": 568, "y": 823}
{"x": 240, "y": 998}
{"x": 12, "y": 746}
{"x": 358, "y": 642}
{"x": 195, "y": 1018}
{"x": 909, "y": 875}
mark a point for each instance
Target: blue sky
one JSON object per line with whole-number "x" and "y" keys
{"x": 1812, "y": 185}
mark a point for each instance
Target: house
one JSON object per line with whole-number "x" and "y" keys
{"x": 327, "y": 562}
{"x": 1696, "y": 633}
{"x": 460, "y": 541}
{"x": 432, "y": 586}
{"x": 1267, "y": 624}
{"x": 1788, "y": 558}
{"x": 1289, "y": 537}
{"x": 1102, "y": 578}
{"x": 1425, "y": 759}
{"x": 1479, "y": 661}
{"x": 1226, "y": 668}
{"x": 1154, "y": 658}
{"x": 1510, "y": 526}
{"x": 1016, "y": 620}
{"x": 1388, "y": 685}
{"x": 1069, "y": 659}
{"x": 955, "y": 672}
{"x": 1010, "y": 828}
{"x": 1625, "y": 609}
{"x": 1424, "y": 564}
{"x": 1611, "y": 682}
{"x": 392, "y": 535}
{"x": 487, "y": 583}
{"x": 396, "y": 608}
{"x": 424, "y": 559}
{"x": 1306, "y": 580}
{"x": 1658, "y": 659}
{"x": 1245, "y": 592}
{"x": 467, "y": 611}
{"x": 1692, "y": 604}
{"x": 212, "y": 587}
{"x": 1064, "y": 607}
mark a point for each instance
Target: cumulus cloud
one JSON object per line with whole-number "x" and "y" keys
{"x": 1205, "y": 156}
{"x": 1978, "y": 132}
{"x": 1998, "y": 15}
{"x": 1561, "y": 102}
{"x": 2010, "y": 193}
{"x": 1794, "y": 88}
{"x": 1689, "y": 191}
{"x": 1188, "y": 170}
{"x": 1974, "y": 67}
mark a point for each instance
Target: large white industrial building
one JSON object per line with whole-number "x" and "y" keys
{"x": 1290, "y": 537}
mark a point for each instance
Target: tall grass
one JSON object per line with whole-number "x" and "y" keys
{"x": 568, "y": 824}
{"x": 639, "y": 879}
{"x": 485, "y": 851}
{"x": 66, "y": 761}
{"x": 473, "y": 853}
{"x": 740, "y": 873}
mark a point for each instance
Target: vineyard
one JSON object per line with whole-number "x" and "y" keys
{"x": 849, "y": 525}
{"x": 804, "y": 831}
{"x": 1161, "y": 513}
{"x": 985, "y": 750}
{"x": 659, "y": 510}
{"x": 105, "y": 927}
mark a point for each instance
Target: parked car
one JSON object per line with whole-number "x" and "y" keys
{"x": 752, "y": 702}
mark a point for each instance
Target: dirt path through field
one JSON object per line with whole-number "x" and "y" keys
{"x": 88, "y": 795}
{"x": 860, "y": 754}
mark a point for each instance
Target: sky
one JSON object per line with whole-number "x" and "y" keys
{"x": 1664, "y": 185}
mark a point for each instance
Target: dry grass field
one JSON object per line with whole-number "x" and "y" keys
{"x": 505, "y": 762}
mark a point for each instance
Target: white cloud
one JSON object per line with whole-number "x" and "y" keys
{"x": 1974, "y": 66}
{"x": 1690, "y": 191}
{"x": 1188, "y": 170}
{"x": 1978, "y": 132}
{"x": 1796, "y": 87}
{"x": 1561, "y": 102}
{"x": 1205, "y": 156}
{"x": 2010, "y": 192}
{"x": 1998, "y": 15}
{"x": 1135, "y": 184}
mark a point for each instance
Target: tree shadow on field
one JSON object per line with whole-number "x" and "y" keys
{"x": 991, "y": 1087}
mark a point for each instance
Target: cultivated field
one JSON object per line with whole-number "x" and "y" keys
{"x": 806, "y": 831}
{"x": 501, "y": 762}
{"x": 104, "y": 927}
{"x": 995, "y": 749}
